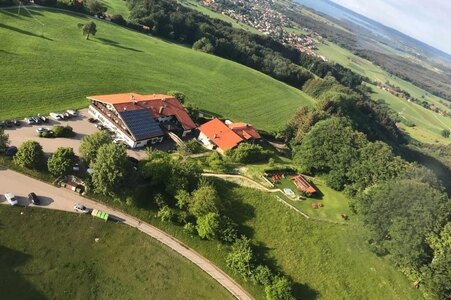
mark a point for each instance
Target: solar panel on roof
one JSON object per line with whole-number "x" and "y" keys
{"x": 141, "y": 124}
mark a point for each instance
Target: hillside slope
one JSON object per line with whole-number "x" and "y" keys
{"x": 58, "y": 70}
{"x": 70, "y": 264}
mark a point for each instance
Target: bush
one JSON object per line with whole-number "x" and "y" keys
{"x": 248, "y": 153}
{"x": 63, "y": 131}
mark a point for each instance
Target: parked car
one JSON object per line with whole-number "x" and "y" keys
{"x": 11, "y": 151}
{"x": 34, "y": 199}
{"x": 9, "y": 123}
{"x": 56, "y": 116}
{"x": 81, "y": 208}
{"x": 17, "y": 123}
{"x": 76, "y": 167}
{"x": 29, "y": 121}
{"x": 92, "y": 120}
{"x": 118, "y": 141}
{"x": 43, "y": 119}
{"x": 2, "y": 124}
{"x": 100, "y": 127}
{"x": 11, "y": 199}
{"x": 42, "y": 129}
{"x": 37, "y": 120}
{"x": 72, "y": 112}
{"x": 66, "y": 115}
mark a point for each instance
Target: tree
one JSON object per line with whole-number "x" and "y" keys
{"x": 110, "y": 169}
{"x": 204, "y": 45}
{"x": 330, "y": 147}
{"x": 30, "y": 155}
{"x": 179, "y": 95}
{"x": 216, "y": 162}
{"x": 208, "y": 226}
{"x": 61, "y": 162}
{"x": 88, "y": 28}
{"x": 279, "y": 289}
{"x": 95, "y": 7}
{"x": 91, "y": 144}
{"x": 262, "y": 275}
{"x": 248, "y": 153}
{"x": 165, "y": 214}
{"x": 63, "y": 131}
{"x": 4, "y": 140}
{"x": 241, "y": 256}
{"x": 401, "y": 214}
{"x": 183, "y": 199}
{"x": 445, "y": 133}
{"x": 204, "y": 200}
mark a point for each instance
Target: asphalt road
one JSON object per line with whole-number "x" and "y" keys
{"x": 63, "y": 199}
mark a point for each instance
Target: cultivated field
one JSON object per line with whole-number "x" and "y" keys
{"x": 69, "y": 264}
{"x": 59, "y": 69}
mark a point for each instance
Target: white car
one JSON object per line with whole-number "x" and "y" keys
{"x": 42, "y": 129}
{"x": 11, "y": 199}
{"x": 56, "y": 116}
{"x": 118, "y": 141}
{"x": 72, "y": 112}
{"x": 81, "y": 208}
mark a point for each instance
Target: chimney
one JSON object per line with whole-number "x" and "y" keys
{"x": 215, "y": 136}
{"x": 161, "y": 110}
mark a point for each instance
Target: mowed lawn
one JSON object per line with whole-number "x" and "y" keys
{"x": 327, "y": 261}
{"x": 57, "y": 71}
{"x": 48, "y": 254}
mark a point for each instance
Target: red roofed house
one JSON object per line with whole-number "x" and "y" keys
{"x": 216, "y": 135}
{"x": 139, "y": 119}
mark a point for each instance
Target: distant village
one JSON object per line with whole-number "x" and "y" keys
{"x": 259, "y": 14}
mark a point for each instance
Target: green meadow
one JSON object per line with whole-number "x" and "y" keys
{"x": 53, "y": 67}
{"x": 429, "y": 124}
{"x": 69, "y": 264}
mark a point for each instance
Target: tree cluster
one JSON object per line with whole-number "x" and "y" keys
{"x": 248, "y": 153}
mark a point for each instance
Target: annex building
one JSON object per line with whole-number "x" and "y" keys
{"x": 221, "y": 136}
{"x": 141, "y": 119}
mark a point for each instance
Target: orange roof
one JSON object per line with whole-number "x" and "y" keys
{"x": 303, "y": 185}
{"x": 159, "y": 105}
{"x": 220, "y": 135}
{"x": 244, "y": 130}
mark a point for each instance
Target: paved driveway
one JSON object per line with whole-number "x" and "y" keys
{"x": 63, "y": 199}
{"x": 80, "y": 124}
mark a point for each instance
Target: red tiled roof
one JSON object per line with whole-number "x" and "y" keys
{"x": 303, "y": 185}
{"x": 244, "y": 130}
{"x": 158, "y": 104}
{"x": 220, "y": 135}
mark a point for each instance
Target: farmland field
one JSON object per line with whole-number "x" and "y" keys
{"x": 69, "y": 264}
{"x": 58, "y": 70}
{"x": 429, "y": 123}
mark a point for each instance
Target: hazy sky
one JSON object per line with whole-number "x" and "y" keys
{"x": 426, "y": 20}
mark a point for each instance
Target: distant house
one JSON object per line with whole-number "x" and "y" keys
{"x": 224, "y": 136}
{"x": 141, "y": 119}
{"x": 303, "y": 185}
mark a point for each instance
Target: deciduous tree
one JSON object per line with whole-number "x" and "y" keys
{"x": 91, "y": 144}
{"x": 30, "y": 155}
{"x": 61, "y": 162}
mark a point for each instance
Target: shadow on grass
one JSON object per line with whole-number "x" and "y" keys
{"x": 24, "y": 31}
{"x": 13, "y": 285}
{"x": 116, "y": 44}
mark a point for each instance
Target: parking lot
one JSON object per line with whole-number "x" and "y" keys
{"x": 80, "y": 124}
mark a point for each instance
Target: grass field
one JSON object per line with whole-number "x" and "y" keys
{"x": 429, "y": 123}
{"x": 327, "y": 261}
{"x": 117, "y": 7}
{"x": 57, "y": 71}
{"x": 69, "y": 264}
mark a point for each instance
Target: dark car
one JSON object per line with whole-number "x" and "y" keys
{"x": 92, "y": 120}
{"x": 17, "y": 123}
{"x": 2, "y": 124}
{"x": 34, "y": 199}
{"x": 9, "y": 123}
{"x": 37, "y": 120}
{"x": 11, "y": 151}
